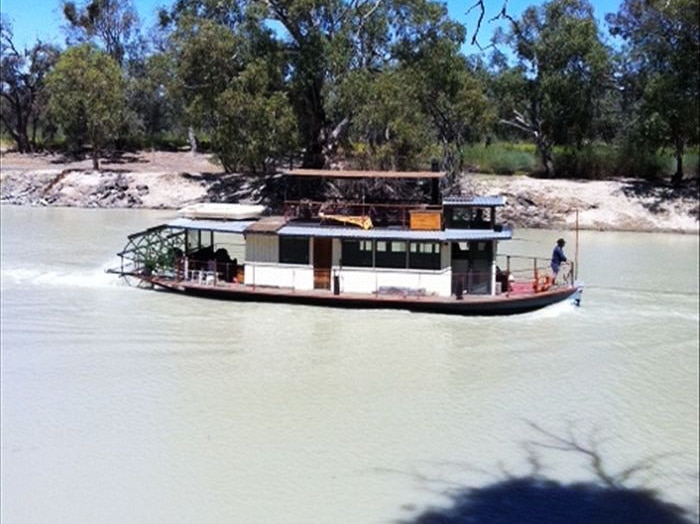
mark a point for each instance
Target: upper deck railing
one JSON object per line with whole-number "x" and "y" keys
{"x": 382, "y": 214}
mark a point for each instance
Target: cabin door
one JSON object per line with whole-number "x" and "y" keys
{"x": 322, "y": 263}
{"x": 471, "y": 267}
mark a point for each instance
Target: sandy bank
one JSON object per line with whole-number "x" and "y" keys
{"x": 172, "y": 180}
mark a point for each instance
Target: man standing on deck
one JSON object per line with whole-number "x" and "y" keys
{"x": 558, "y": 258}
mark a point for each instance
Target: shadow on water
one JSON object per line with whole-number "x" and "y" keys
{"x": 535, "y": 499}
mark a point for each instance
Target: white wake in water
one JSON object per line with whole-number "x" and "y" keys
{"x": 37, "y": 276}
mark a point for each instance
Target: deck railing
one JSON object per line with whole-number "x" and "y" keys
{"x": 535, "y": 271}
{"x": 380, "y": 214}
{"x": 208, "y": 272}
{"x": 514, "y": 274}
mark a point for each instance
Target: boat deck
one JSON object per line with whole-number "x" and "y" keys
{"x": 505, "y": 303}
{"x": 521, "y": 291}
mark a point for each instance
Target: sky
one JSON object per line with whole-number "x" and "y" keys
{"x": 42, "y": 19}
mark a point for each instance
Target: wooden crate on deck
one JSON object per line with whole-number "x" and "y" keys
{"x": 426, "y": 219}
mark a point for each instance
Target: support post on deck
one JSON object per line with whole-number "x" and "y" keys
{"x": 534, "y": 261}
{"x": 575, "y": 268}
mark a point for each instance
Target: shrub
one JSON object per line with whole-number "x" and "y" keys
{"x": 592, "y": 162}
{"x": 500, "y": 158}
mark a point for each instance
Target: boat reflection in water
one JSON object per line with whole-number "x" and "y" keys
{"x": 432, "y": 256}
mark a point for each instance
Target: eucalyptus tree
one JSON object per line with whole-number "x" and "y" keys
{"x": 229, "y": 72}
{"x": 22, "y": 87}
{"x": 86, "y": 91}
{"x": 324, "y": 46}
{"x": 408, "y": 87}
{"x": 324, "y": 41}
{"x": 562, "y": 71}
{"x": 253, "y": 126}
{"x": 150, "y": 98}
{"x": 206, "y": 58}
{"x": 408, "y": 53}
{"x": 663, "y": 73}
{"x": 450, "y": 93}
{"x": 113, "y": 25}
{"x": 386, "y": 128}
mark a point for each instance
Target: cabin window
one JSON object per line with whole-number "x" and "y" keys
{"x": 294, "y": 250}
{"x": 424, "y": 255}
{"x": 193, "y": 240}
{"x": 460, "y": 217}
{"x": 481, "y": 219}
{"x": 391, "y": 254}
{"x": 357, "y": 253}
{"x": 480, "y": 250}
{"x": 469, "y": 217}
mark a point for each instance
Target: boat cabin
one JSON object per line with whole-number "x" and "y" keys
{"x": 417, "y": 249}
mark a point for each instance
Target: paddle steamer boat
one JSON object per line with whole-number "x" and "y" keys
{"x": 435, "y": 257}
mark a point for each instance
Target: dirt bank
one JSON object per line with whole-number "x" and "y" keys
{"x": 172, "y": 180}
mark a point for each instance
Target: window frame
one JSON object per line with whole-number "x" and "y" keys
{"x": 359, "y": 256}
{"x": 393, "y": 256}
{"x": 422, "y": 258}
{"x": 293, "y": 254}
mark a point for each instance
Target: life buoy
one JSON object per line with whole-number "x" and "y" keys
{"x": 542, "y": 283}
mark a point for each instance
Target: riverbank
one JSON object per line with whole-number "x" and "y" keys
{"x": 173, "y": 180}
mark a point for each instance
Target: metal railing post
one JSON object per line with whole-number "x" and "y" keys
{"x": 534, "y": 260}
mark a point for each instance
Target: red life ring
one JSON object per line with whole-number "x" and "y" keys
{"x": 542, "y": 283}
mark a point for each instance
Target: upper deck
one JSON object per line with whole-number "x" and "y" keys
{"x": 412, "y": 203}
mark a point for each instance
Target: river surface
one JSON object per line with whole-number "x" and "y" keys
{"x": 127, "y": 405}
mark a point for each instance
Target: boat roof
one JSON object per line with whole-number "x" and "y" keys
{"x": 222, "y": 226}
{"x": 447, "y": 235}
{"x": 477, "y": 201}
{"x": 338, "y": 173}
{"x": 222, "y": 210}
{"x": 268, "y": 225}
{"x": 325, "y": 231}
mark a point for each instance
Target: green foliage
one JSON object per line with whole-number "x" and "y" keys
{"x": 563, "y": 68}
{"x": 207, "y": 59}
{"x": 156, "y": 115}
{"x": 588, "y": 162}
{"x": 662, "y": 74}
{"x": 6, "y": 142}
{"x": 643, "y": 164}
{"x": 212, "y": 54}
{"x": 640, "y": 161}
{"x": 592, "y": 162}
{"x": 253, "y": 125}
{"x": 111, "y": 24}
{"x": 453, "y": 98}
{"x": 22, "y": 87}
{"x": 501, "y": 158}
{"x": 87, "y": 97}
{"x": 387, "y": 133}
{"x": 381, "y": 83}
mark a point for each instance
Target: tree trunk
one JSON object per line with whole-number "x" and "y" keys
{"x": 20, "y": 139}
{"x": 22, "y": 143}
{"x": 677, "y": 178}
{"x": 192, "y": 139}
{"x": 313, "y": 156}
{"x": 17, "y": 126}
{"x": 546, "y": 157}
{"x": 531, "y": 127}
{"x": 32, "y": 141}
{"x": 95, "y": 159}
